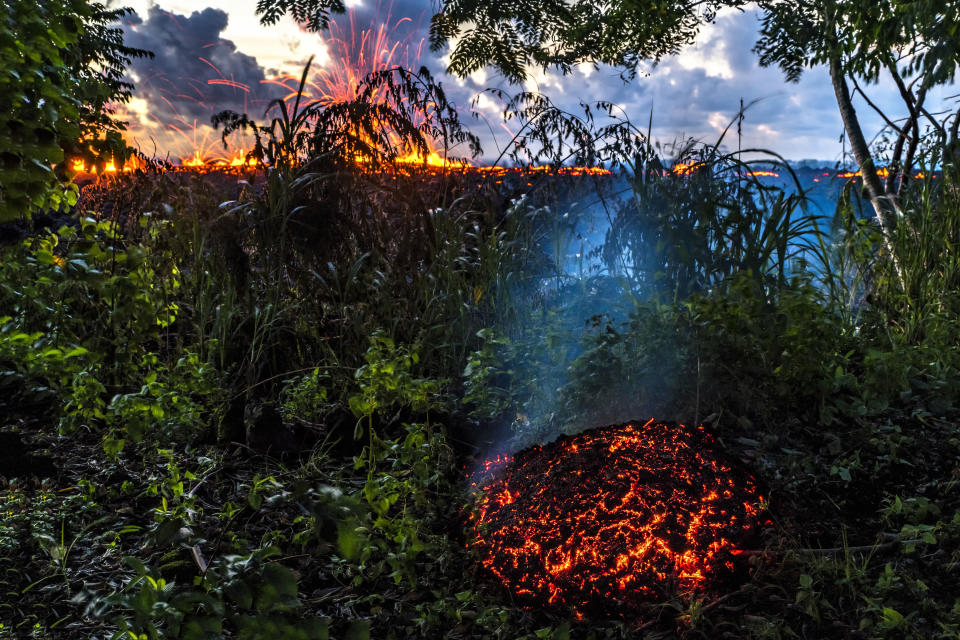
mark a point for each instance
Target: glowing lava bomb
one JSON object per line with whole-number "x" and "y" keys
{"x": 613, "y": 518}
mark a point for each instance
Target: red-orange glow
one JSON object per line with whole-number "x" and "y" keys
{"x": 433, "y": 160}
{"x": 613, "y": 517}
{"x": 354, "y": 55}
{"x": 195, "y": 161}
{"x": 541, "y": 169}
{"x": 130, "y": 164}
{"x": 240, "y": 160}
{"x": 686, "y": 168}
{"x": 882, "y": 172}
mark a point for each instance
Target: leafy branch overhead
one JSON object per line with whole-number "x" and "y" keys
{"x": 516, "y": 35}
{"x": 315, "y": 14}
{"x": 914, "y": 43}
{"x": 917, "y": 37}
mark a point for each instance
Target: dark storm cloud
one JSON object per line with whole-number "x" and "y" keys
{"x": 195, "y": 72}
{"x": 409, "y": 18}
{"x": 405, "y": 21}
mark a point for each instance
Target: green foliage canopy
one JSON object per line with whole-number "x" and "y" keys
{"x": 315, "y": 14}
{"x": 62, "y": 65}
{"x": 914, "y": 41}
{"x": 512, "y": 35}
{"x": 921, "y": 36}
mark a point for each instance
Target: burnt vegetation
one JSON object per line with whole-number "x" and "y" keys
{"x": 250, "y": 403}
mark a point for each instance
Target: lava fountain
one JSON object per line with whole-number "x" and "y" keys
{"x": 613, "y": 518}
{"x": 354, "y": 55}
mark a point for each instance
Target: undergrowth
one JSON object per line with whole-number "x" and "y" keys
{"x": 254, "y": 406}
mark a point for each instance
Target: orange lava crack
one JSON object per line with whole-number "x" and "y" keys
{"x": 612, "y": 518}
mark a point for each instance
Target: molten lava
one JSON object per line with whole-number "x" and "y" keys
{"x": 686, "y": 168}
{"x": 612, "y": 518}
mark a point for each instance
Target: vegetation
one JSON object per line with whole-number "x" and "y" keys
{"x": 63, "y": 66}
{"x": 248, "y": 410}
{"x": 908, "y": 41}
{"x": 914, "y": 43}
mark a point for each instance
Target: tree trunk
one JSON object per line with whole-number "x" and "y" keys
{"x": 884, "y": 205}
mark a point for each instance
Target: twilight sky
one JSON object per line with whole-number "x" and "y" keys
{"x": 214, "y": 54}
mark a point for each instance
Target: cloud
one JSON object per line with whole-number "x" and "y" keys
{"x": 698, "y": 92}
{"x": 406, "y": 18}
{"x": 282, "y": 47}
{"x": 195, "y": 72}
{"x": 693, "y": 94}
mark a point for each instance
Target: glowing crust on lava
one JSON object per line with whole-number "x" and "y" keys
{"x": 613, "y": 517}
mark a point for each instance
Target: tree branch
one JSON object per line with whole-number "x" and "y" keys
{"x": 890, "y": 123}
{"x": 907, "y": 172}
{"x": 886, "y": 208}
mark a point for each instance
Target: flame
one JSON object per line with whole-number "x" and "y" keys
{"x": 218, "y": 162}
{"x": 353, "y": 54}
{"x": 433, "y": 159}
{"x": 882, "y": 172}
{"x": 685, "y": 168}
{"x": 132, "y": 163}
{"x": 613, "y": 517}
{"x": 195, "y": 161}
{"x": 240, "y": 160}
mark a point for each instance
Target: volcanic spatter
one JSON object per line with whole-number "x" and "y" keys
{"x": 612, "y": 518}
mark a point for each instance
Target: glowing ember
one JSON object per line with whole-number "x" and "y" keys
{"x": 882, "y": 172}
{"x": 685, "y": 168}
{"x": 131, "y": 164}
{"x": 195, "y": 161}
{"x": 611, "y": 518}
{"x": 240, "y": 160}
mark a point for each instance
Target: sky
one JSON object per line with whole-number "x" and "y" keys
{"x": 214, "y": 54}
